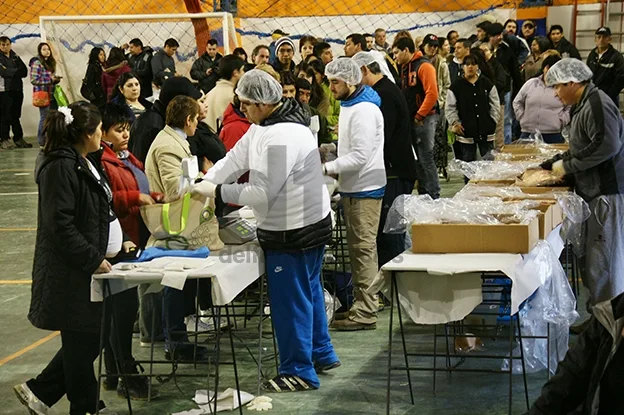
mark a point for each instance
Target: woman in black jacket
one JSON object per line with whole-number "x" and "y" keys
{"x": 93, "y": 78}
{"x": 76, "y": 231}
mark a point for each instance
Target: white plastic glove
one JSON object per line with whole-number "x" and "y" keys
{"x": 261, "y": 403}
{"x": 204, "y": 188}
{"x": 558, "y": 169}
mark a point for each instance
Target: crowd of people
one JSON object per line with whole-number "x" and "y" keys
{"x": 256, "y": 127}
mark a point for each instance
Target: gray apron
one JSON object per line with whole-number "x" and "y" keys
{"x": 604, "y": 261}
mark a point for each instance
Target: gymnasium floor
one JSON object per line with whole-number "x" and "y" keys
{"x": 358, "y": 387}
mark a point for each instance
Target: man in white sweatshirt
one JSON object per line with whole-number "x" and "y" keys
{"x": 361, "y": 181}
{"x": 291, "y": 204}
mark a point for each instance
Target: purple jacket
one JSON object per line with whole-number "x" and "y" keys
{"x": 537, "y": 108}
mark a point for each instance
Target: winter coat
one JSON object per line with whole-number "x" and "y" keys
{"x": 398, "y": 142}
{"x": 456, "y": 69}
{"x": 218, "y": 100}
{"x": 290, "y": 217}
{"x": 507, "y": 59}
{"x": 141, "y": 65}
{"x": 501, "y": 79}
{"x": 475, "y": 107}
{"x": 109, "y": 79}
{"x": 596, "y": 155}
{"x": 443, "y": 78}
{"x": 235, "y": 125}
{"x": 163, "y": 165}
{"x": 608, "y": 71}
{"x": 121, "y": 101}
{"x": 532, "y": 67}
{"x": 72, "y": 237}
{"x": 41, "y": 78}
{"x": 93, "y": 79}
{"x": 163, "y": 66}
{"x": 538, "y": 109}
{"x": 12, "y": 70}
{"x": 333, "y": 111}
{"x": 206, "y": 143}
{"x": 126, "y": 193}
{"x": 420, "y": 86}
{"x": 590, "y": 375}
{"x": 200, "y": 66}
{"x": 145, "y": 129}
{"x": 567, "y": 49}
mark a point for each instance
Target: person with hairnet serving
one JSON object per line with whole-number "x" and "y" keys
{"x": 399, "y": 150}
{"x": 287, "y": 193}
{"x": 591, "y": 373}
{"x": 361, "y": 182}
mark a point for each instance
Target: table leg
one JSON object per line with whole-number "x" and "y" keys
{"x": 151, "y": 364}
{"x": 511, "y": 344}
{"x": 240, "y": 401}
{"x": 261, "y": 314}
{"x": 102, "y": 335}
{"x": 217, "y": 355}
{"x": 118, "y": 347}
{"x": 392, "y": 283}
{"x": 409, "y": 375}
{"x": 524, "y": 378}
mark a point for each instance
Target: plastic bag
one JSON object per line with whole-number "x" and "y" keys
{"x": 331, "y": 304}
{"x": 409, "y": 209}
{"x": 60, "y": 97}
{"x": 576, "y": 211}
{"x": 489, "y": 170}
{"x": 553, "y": 303}
{"x": 474, "y": 192}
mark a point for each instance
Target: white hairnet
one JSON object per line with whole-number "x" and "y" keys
{"x": 366, "y": 58}
{"x": 568, "y": 70}
{"x": 259, "y": 87}
{"x": 344, "y": 69}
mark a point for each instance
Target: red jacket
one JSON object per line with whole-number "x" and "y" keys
{"x": 234, "y": 128}
{"x": 125, "y": 191}
{"x": 110, "y": 79}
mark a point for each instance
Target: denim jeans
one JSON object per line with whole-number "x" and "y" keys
{"x": 43, "y": 113}
{"x": 428, "y": 181}
{"x": 509, "y": 117}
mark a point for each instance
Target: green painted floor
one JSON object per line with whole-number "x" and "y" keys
{"x": 358, "y": 387}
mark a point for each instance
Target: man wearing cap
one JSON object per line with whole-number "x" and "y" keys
{"x": 596, "y": 160}
{"x": 528, "y": 31}
{"x": 590, "y": 376}
{"x": 275, "y": 36}
{"x": 361, "y": 182}
{"x": 285, "y": 50}
{"x": 506, "y": 57}
{"x": 287, "y": 193}
{"x": 399, "y": 150}
{"x": 563, "y": 46}
{"x": 420, "y": 87}
{"x": 607, "y": 64}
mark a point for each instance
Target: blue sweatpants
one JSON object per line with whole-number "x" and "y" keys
{"x": 298, "y": 312}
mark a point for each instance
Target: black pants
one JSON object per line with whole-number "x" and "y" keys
{"x": 70, "y": 372}
{"x": 389, "y": 245}
{"x": 468, "y": 152}
{"x": 10, "y": 114}
{"x": 179, "y": 304}
{"x": 124, "y": 306}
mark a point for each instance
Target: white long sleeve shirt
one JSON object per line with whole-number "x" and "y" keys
{"x": 360, "y": 162}
{"x": 286, "y": 189}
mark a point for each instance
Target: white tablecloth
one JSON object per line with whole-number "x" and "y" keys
{"x": 232, "y": 270}
{"x": 440, "y": 288}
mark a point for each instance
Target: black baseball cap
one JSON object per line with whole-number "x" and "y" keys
{"x": 605, "y": 31}
{"x": 280, "y": 32}
{"x": 494, "y": 29}
{"x": 431, "y": 40}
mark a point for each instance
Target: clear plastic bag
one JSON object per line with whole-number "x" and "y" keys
{"x": 553, "y": 303}
{"x": 486, "y": 169}
{"x": 409, "y": 209}
{"x": 474, "y": 192}
{"x": 576, "y": 212}
{"x": 331, "y": 304}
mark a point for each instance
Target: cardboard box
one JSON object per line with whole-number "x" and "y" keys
{"x": 525, "y": 189}
{"x": 532, "y": 149}
{"x": 545, "y": 219}
{"x": 469, "y": 238}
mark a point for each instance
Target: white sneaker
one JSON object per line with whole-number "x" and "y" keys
{"x": 194, "y": 324}
{"x": 207, "y": 317}
{"x": 30, "y": 401}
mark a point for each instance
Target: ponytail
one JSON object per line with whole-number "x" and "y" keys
{"x": 70, "y": 125}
